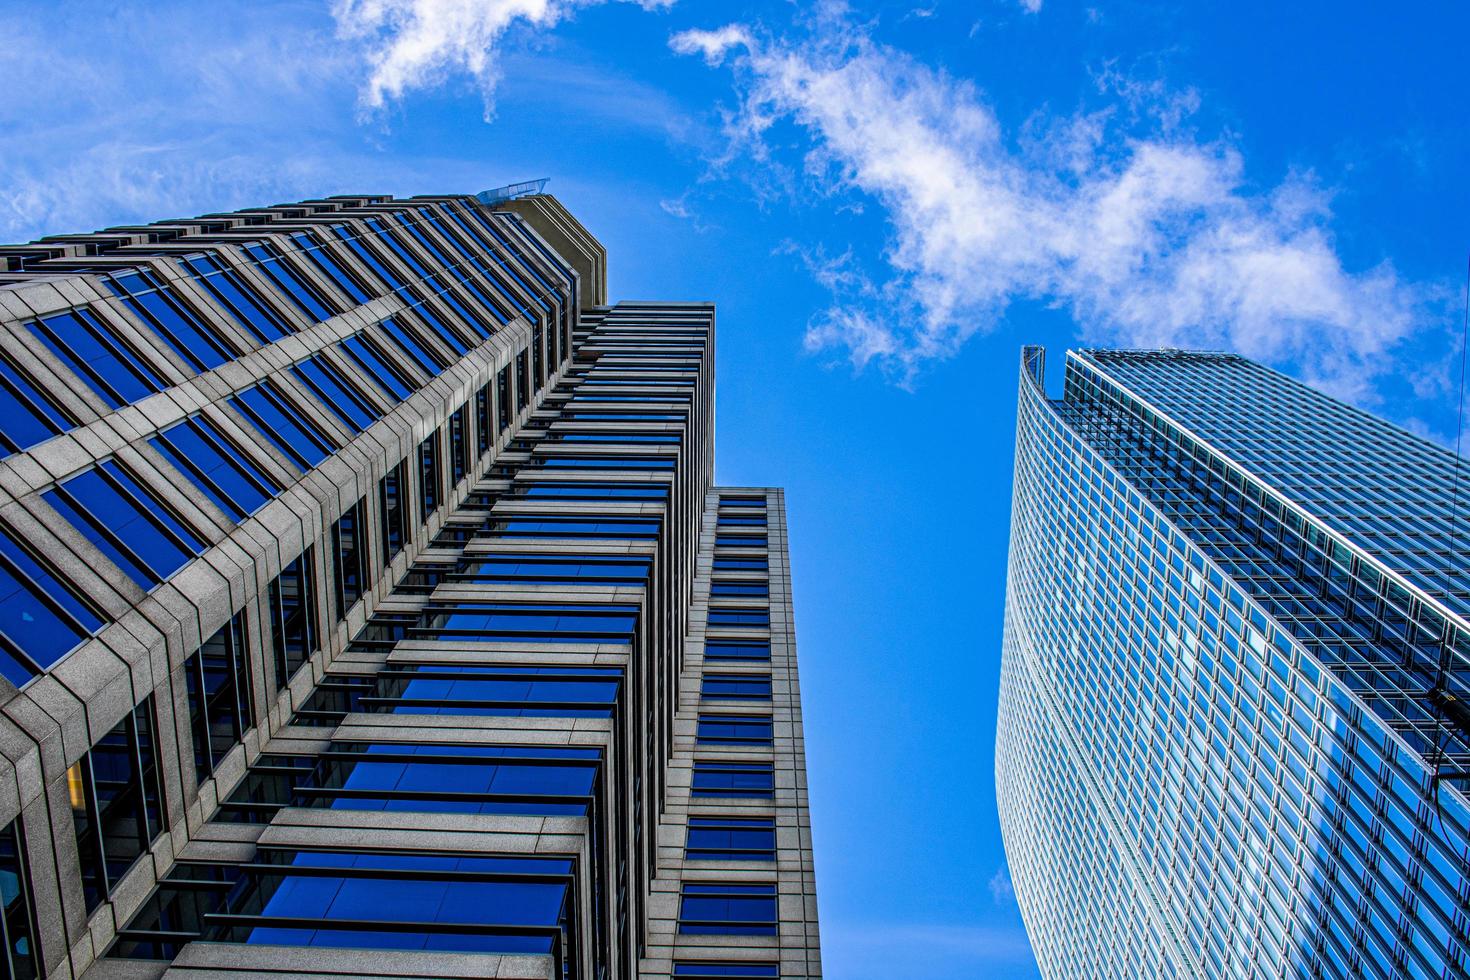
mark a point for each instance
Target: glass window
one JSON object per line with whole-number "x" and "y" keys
{"x": 726, "y": 971}
{"x": 715, "y": 729}
{"x": 292, "y": 598}
{"x": 458, "y": 446}
{"x": 348, "y": 558}
{"x": 153, "y": 302}
{"x": 749, "y": 779}
{"x": 430, "y": 363}
{"x": 206, "y": 457}
{"x": 739, "y": 617}
{"x": 126, "y": 522}
{"x": 237, "y": 298}
{"x": 484, "y": 427}
{"x": 89, "y": 348}
{"x": 734, "y": 587}
{"x": 41, "y": 619}
{"x": 430, "y": 493}
{"x": 502, "y": 390}
{"x": 732, "y": 650}
{"x": 741, "y": 564}
{"x": 736, "y": 687}
{"x": 300, "y": 439}
{"x": 389, "y": 378}
{"x": 116, "y": 804}
{"x": 328, "y": 265}
{"x": 739, "y": 541}
{"x": 27, "y": 414}
{"x": 221, "y": 703}
{"x": 19, "y": 922}
{"x": 738, "y": 909}
{"x": 731, "y": 839}
{"x": 523, "y": 387}
{"x": 336, "y": 392}
{"x": 296, "y": 286}
{"x": 392, "y": 503}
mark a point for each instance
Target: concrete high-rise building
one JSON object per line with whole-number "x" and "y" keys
{"x": 1233, "y": 737}
{"x": 367, "y": 609}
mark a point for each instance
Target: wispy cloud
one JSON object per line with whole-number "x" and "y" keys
{"x": 1001, "y": 889}
{"x": 873, "y": 950}
{"x": 416, "y": 44}
{"x": 1154, "y": 241}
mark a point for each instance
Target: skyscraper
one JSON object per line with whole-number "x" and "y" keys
{"x": 367, "y": 609}
{"x": 1232, "y": 738}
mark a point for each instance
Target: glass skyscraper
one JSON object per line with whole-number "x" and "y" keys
{"x": 1233, "y": 738}
{"x": 367, "y": 609}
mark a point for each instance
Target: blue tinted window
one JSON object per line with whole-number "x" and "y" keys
{"x": 726, "y": 971}
{"x": 410, "y": 346}
{"x": 327, "y": 383}
{"x": 27, "y": 416}
{"x": 40, "y": 618}
{"x": 154, "y": 303}
{"x": 125, "y": 521}
{"x": 749, "y": 687}
{"x": 432, "y": 282}
{"x": 732, "y": 650}
{"x": 215, "y": 466}
{"x": 460, "y": 270}
{"x": 731, "y": 839}
{"x": 741, "y": 564}
{"x": 286, "y": 428}
{"x": 238, "y": 299}
{"x": 750, "y": 779}
{"x": 329, "y": 266}
{"x": 386, "y": 375}
{"x": 735, "y": 729}
{"x": 727, "y": 909}
{"x": 116, "y": 805}
{"x": 718, "y": 587}
{"x": 293, "y": 284}
{"x": 739, "y": 617}
{"x": 217, "y": 681}
{"x": 103, "y": 361}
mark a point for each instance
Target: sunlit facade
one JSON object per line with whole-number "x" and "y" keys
{"x": 1232, "y": 739}
{"x": 367, "y": 609}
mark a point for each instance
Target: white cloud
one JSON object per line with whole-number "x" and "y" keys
{"x": 1031, "y": 6}
{"x": 412, "y": 44}
{"x": 1001, "y": 889}
{"x": 1153, "y": 241}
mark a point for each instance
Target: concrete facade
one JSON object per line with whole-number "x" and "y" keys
{"x": 355, "y": 587}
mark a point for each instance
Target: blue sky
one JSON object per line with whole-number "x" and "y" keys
{"x": 885, "y": 200}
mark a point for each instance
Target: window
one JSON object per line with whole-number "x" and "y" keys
{"x": 153, "y": 302}
{"x": 126, "y": 522}
{"x": 392, "y": 504}
{"x": 237, "y": 298}
{"x": 221, "y": 702}
{"x": 27, "y": 415}
{"x": 731, "y": 839}
{"x": 733, "y": 687}
{"x": 483, "y": 903}
{"x": 739, "y": 617}
{"x": 470, "y": 689}
{"x": 388, "y": 377}
{"x": 736, "y": 587}
{"x": 739, "y": 541}
{"x": 502, "y": 392}
{"x": 430, "y": 364}
{"x": 732, "y": 650}
{"x": 116, "y": 805}
{"x": 18, "y": 924}
{"x": 90, "y": 349}
{"x": 740, "y": 564}
{"x": 292, "y": 598}
{"x": 41, "y": 619}
{"x": 297, "y": 287}
{"x": 733, "y": 909}
{"x": 560, "y": 567}
{"x": 715, "y": 729}
{"x": 523, "y": 392}
{"x": 430, "y": 494}
{"x": 756, "y": 502}
{"x": 336, "y": 392}
{"x": 484, "y": 427}
{"x": 534, "y": 622}
{"x": 347, "y": 557}
{"x": 329, "y": 267}
{"x": 726, "y": 971}
{"x": 203, "y": 454}
{"x": 458, "y": 446}
{"x": 748, "y": 779}
{"x": 302, "y": 441}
